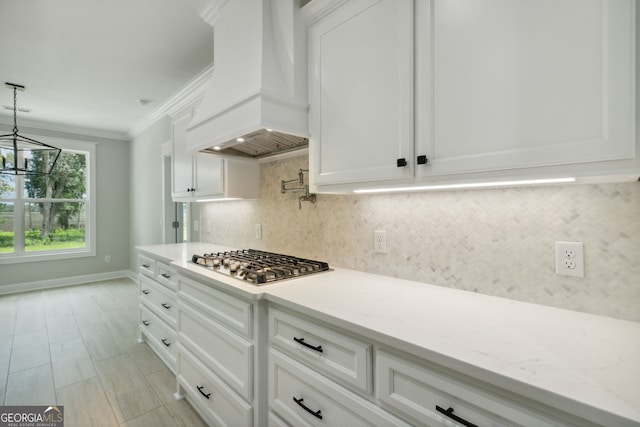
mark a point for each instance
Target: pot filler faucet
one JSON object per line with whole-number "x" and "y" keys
{"x": 306, "y": 197}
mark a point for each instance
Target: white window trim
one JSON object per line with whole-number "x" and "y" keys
{"x": 90, "y": 225}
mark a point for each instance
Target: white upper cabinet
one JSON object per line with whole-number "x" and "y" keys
{"x": 480, "y": 88}
{"x": 207, "y": 176}
{"x": 526, "y": 83}
{"x": 361, "y": 92}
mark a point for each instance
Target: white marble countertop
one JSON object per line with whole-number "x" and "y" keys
{"x": 580, "y": 363}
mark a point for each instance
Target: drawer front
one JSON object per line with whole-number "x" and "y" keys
{"x": 415, "y": 390}
{"x": 159, "y": 336}
{"x": 342, "y": 357}
{"x": 223, "y": 351}
{"x": 303, "y": 397}
{"x": 147, "y": 266}
{"x": 160, "y": 300}
{"x": 167, "y": 275}
{"x": 209, "y": 393}
{"x": 233, "y": 312}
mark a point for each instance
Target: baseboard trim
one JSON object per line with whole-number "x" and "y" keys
{"x": 66, "y": 281}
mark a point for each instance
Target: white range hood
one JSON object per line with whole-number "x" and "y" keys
{"x": 258, "y": 90}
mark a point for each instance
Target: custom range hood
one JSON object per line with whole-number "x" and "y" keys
{"x": 256, "y": 103}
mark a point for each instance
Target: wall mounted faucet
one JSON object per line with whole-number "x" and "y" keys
{"x": 300, "y": 186}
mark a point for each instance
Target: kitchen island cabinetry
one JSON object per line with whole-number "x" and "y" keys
{"x": 157, "y": 285}
{"x": 216, "y": 353}
{"x": 391, "y": 350}
{"x": 531, "y": 89}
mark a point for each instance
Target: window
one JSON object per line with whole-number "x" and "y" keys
{"x": 50, "y": 216}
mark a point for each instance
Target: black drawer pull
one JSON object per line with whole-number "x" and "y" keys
{"x": 317, "y": 414}
{"x": 146, "y": 265}
{"x": 401, "y": 162}
{"x": 422, "y": 160}
{"x": 165, "y": 342}
{"x": 200, "y": 388}
{"x": 165, "y": 305}
{"x": 449, "y": 413}
{"x": 146, "y": 291}
{"x": 166, "y": 276}
{"x": 301, "y": 341}
{"x": 146, "y": 322}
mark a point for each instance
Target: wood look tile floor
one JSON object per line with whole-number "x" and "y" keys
{"x": 77, "y": 346}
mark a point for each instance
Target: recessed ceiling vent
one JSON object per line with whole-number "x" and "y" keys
{"x": 258, "y": 82}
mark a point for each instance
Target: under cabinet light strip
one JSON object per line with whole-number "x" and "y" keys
{"x": 227, "y": 199}
{"x": 468, "y": 185}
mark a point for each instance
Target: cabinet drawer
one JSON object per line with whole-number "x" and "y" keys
{"x": 344, "y": 358}
{"x": 160, "y": 300}
{"x": 233, "y": 312}
{"x": 147, "y": 266}
{"x": 303, "y": 397}
{"x": 223, "y": 351}
{"x": 415, "y": 390}
{"x": 210, "y": 394}
{"x": 167, "y": 275}
{"x": 159, "y": 336}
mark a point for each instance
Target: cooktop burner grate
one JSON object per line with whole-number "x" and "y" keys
{"x": 259, "y": 267}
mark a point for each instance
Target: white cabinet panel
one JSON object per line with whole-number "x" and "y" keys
{"x": 530, "y": 83}
{"x": 361, "y": 92}
{"x": 210, "y": 395}
{"x": 344, "y": 358}
{"x": 305, "y": 398}
{"x": 181, "y": 160}
{"x": 417, "y": 391}
{"x": 160, "y": 337}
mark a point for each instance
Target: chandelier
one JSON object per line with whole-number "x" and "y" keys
{"x": 22, "y": 155}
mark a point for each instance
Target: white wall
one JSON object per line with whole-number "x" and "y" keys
{"x": 112, "y": 204}
{"x": 146, "y": 183}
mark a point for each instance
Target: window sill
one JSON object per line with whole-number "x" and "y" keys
{"x": 40, "y": 256}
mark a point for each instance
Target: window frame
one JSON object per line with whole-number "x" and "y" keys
{"x": 19, "y": 201}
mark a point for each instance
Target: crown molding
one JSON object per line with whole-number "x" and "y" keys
{"x": 26, "y": 124}
{"x": 185, "y": 97}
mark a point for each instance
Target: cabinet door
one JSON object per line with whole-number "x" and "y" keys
{"x": 181, "y": 161}
{"x": 209, "y": 171}
{"x": 529, "y": 83}
{"x": 361, "y": 83}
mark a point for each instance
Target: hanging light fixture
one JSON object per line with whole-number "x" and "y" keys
{"x": 22, "y": 155}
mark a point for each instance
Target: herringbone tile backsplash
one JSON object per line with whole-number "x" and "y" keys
{"x": 495, "y": 241}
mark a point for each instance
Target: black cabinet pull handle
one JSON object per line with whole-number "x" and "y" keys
{"x": 301, "y": 341}
{"x": 200, "y": 388}
{"x": 146, "y": 322}
{"x": 401, "y": 162}
{"x": 166, "y": 276}
{"x": 317, "y": 414}
{"x": 422, "y": 160}
{"x": 165, "y": 342}
{"x": 146, "y": 265}
{"x": 165, "y": 305}
{"x": 449, "y": 413}
{"x": 146, "y": 291}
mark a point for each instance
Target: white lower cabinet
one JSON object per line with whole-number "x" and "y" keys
{"x": 427, "y": 396}
{"x": 216, "y": 354}
{"x": 303, "y": 397}
{"x": 158, "y": 307}
{"x": 215, "y": 401}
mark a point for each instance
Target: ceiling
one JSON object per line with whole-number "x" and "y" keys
{"x": 86, "y": 63}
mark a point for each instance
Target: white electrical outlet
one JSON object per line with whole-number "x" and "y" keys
{"x": 107, "y": 258}
{"x": 258, "y": 231}
{"x": 570, "y": 259}
{"x": 380, "y": 241}
{"x": 196, "y": 225}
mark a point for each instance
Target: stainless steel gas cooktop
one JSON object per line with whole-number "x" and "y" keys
{"x": 259, "y": 267}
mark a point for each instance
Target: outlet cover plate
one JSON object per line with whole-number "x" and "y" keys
{"x": 570, "y": 259}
